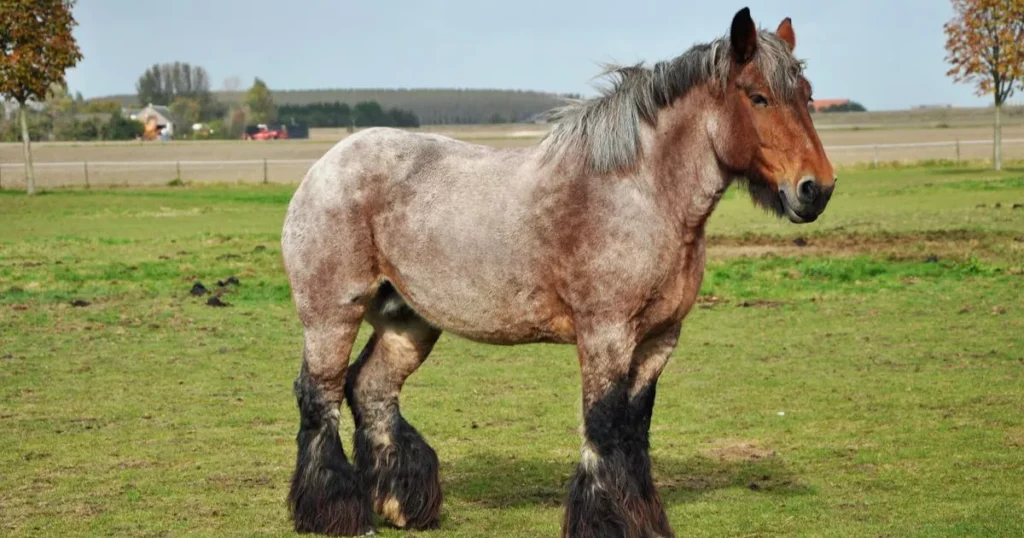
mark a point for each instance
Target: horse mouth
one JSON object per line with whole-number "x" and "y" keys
{"x": 796, "y": 212}
{"x": 793, "y": 216}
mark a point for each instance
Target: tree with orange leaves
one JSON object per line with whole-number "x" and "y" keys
{"x": 985, "y": 45}
{"x": 36, "y": 49}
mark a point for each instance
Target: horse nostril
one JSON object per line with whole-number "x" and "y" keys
{"x": 808, "y": 191}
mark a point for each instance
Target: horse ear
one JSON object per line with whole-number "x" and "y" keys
{"x": 743, "y": 36}
{"x": 786, "y": 32}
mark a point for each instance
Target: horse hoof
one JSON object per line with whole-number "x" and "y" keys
{"x": 403, "y": 478}
{"x": 332, "y": 504}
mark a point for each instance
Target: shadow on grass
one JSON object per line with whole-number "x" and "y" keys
{"x": 497, "y": 481}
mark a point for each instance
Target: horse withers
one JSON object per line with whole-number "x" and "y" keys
{"x": 594, "y": 237}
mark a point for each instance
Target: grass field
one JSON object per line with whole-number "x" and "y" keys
{"x": 867, "y": 383}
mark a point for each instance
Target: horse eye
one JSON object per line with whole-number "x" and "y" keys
{"x": 759, "y": 100}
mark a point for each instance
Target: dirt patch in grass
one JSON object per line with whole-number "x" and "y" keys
{"x": 1015, "y": 437}
{"x": 926, "y": 246}
{"x": 232, "y": 483}
{"x": 759, "y": 303}
{"x": 710, "y": 300}
{"x": 741, "y": 451}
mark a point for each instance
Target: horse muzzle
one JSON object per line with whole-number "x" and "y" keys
{"x": 807, "y": 201}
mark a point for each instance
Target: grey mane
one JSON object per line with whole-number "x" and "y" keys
{"x": 606, "y": 129}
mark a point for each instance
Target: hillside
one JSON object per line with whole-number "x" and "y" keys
{"x": 432, "y": 106}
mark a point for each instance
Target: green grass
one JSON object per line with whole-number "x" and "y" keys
{"x": 869, "y": 383}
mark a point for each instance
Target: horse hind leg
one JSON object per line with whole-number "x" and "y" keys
{"x": 331, "y": 285}
{"x": 325, "y": 494}
{"x": 398, "y": 467}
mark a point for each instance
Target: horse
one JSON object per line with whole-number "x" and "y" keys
{"x": 592, "y": 237}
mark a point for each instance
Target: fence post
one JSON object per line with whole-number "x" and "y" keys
{"x": 85, "y": 164}
{"x": 957, "y": 151}
{"x": 876, "y": 156}
{"x": 264, "y": 171}
{"x": 177, "y": 167}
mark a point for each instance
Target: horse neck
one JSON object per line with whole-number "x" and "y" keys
{"x": 686, "y": 170}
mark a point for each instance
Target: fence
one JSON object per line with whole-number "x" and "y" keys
{"x": 956, "y": 150}
{"x": 118, "y": 173}
{"x": 124, "y": 173}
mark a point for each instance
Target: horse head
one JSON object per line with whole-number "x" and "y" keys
{"x": 769, "y": 137}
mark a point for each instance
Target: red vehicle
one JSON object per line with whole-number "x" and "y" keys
{"x": 265, "y": 132}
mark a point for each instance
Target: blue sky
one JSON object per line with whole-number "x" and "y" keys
{"x": 885, "y": 54}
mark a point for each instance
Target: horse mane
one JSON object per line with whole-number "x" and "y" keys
{"x": 606, "y": 129}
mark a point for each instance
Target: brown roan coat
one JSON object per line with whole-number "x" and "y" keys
{"x": 594, "y": 237}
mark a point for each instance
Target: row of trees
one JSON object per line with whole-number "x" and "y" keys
{"x": 43, "y": 125}
{"x": 185, "y": 89}
{"x": 431, "y": 106}
{"x": 437, "y": 106}
{"x": 179, "y": 85}
{"x": 63, "y": 117}
{"x": 364, "y": 114}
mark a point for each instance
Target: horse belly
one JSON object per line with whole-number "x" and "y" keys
{"x": 486, "y": 313}
{"x": 472, "y": 275}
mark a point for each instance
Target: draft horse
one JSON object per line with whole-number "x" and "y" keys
{"x": 595, "y": 237}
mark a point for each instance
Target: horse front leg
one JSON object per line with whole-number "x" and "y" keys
{"x": 612, "y": 493}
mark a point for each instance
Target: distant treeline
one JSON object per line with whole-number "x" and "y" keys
{"x": 337, "y": 114}
{"x": 43, "y": 127}
{"x": 431, "y": 106}
{"x": 71, "y": 118}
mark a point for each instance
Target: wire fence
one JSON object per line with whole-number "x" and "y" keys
{"x": 156, "y": 172}
{"x": 954, "y": 151}
{"x": 128, "y": 173}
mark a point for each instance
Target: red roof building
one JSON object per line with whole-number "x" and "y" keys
{"x": 821, "y": 104}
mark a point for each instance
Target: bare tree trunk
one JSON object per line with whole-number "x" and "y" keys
{"x": 997, "y": 140}
{"x": 30, "y": 176}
